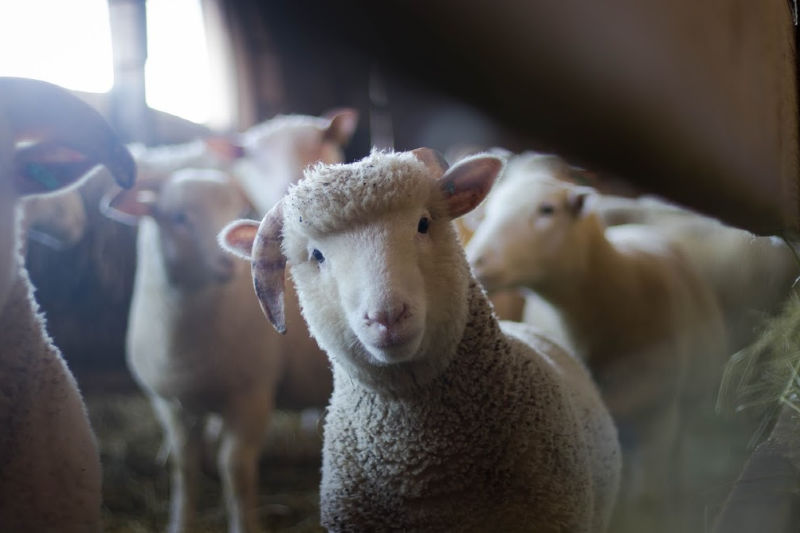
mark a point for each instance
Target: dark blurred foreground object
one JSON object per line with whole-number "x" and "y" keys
{"x": 695, "y": 101}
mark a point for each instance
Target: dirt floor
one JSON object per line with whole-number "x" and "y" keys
{"x": 136, "y": 482}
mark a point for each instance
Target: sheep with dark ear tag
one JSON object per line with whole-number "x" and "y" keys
{"x": 49, "y": 465}
{"x": 441, "y": 418}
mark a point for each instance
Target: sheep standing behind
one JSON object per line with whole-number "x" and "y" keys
{"x": 648, "y": 327}
{"x": 49, "y": 466}
{"x": 441, "y": 418}
{"x": 276, "y": 152}
{"x": 750, "y": 275}
{"x": 196, "y": 341}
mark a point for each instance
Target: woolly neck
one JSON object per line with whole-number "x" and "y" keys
{"x": 22, "y": 334}
{"x": 19, "y": 316}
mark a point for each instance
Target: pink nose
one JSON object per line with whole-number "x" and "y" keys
{"x": 388, "y": 317}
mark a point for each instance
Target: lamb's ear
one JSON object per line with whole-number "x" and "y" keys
{"x": 269, "y": 267}
{"x": 576, "y": 200}
{"x": 228, "y": 149}
{"x": 342, "y": 126}
{"x": 468, "y": 182}
{"x": 434, "y": 161}
{"x": 128, "y": 206}
{"x": 59, "y": 138}
{"x": 238, "y": 237}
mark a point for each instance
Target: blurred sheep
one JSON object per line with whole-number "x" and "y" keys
{"x": 196, "y": 343}
{"x": 631, "y": 304}
{"x": 50, "y": 466}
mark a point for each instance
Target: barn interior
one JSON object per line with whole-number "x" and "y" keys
{"x": 694, "y": 104}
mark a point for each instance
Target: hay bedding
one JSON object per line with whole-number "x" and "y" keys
{"x": 136, "y": 484}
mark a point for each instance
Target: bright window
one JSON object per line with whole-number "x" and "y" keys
{"x": 178, "y": 72}
{"x": 63, "y": 42}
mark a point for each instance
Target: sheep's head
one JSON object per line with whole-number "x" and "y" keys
{"x": 190, "y": 207}
{"x": 379, "y": 272}
{"x": 49, "y": 139}
{"x": 532, "y": 231}
{"x": 283, "y": 146}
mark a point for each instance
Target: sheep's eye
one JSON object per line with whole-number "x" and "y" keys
{"x": 317, "y": 255}
{"x": 422, "y": 227}
{"x": 179, "y": 219}
{"x": 546, "y": 209}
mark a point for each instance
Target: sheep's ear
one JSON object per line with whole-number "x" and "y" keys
{"x": 58, "y": 138}
{"x": 576, "y": 201}
{"x": 269, "y": 267}
{"x": 468, "y": 182}
{"x": 342, "y": 126}
{"x": 225, "y": 148}
{"x": 434, "y": 161}
{"x": 238, "y": 237}
{"x": 129, "y": 206}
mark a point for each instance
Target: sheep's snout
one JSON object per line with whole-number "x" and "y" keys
{"x": 391, "y": 331}
{"x": 224, "y": 269}
{"x": 387, "y": 317}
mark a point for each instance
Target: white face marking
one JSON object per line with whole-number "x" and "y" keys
{"x": 377, "y": 272}
{"x": 384, "y": 293}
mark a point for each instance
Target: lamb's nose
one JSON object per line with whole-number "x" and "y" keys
{"x": 224, "y": 268}
{"x": 389, "y": 316}
{"x": 478, "y": 262}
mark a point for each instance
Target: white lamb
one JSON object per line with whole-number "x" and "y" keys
{"x": 195, "y": 347}
{"x": 49, "y": 466}
{"x": 196, "y": 341}
{"x": 648, "y": 327}
{"x": 441, "y": 419}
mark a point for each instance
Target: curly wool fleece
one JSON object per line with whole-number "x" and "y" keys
{"x": 333, "y": 197}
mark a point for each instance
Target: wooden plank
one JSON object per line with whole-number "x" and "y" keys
{"x": 696, "y": 101}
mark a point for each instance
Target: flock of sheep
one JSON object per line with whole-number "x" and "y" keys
{"x": 440, "y": 416}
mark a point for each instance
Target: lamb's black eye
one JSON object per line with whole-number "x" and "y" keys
{"x": 422, "y": 227}
{"x": 317, "y": 255}
{"x": 546, "y": 209}
{"x": 179, "y": 218}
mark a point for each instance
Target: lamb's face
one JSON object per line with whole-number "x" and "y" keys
{"x": 531, "y": 231}
{"x": 380, "y": 291}
{"x": 192, "y": 207}
{"x": 380, "y": 274}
